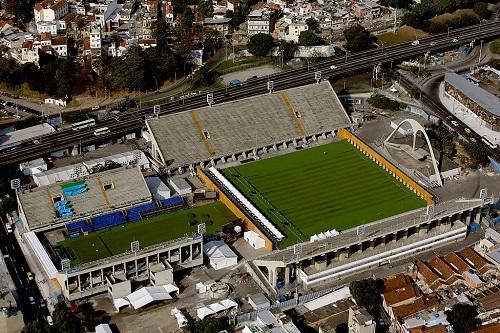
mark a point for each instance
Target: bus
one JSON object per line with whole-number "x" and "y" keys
{"x": 489, "y": 143}
{"x": 83, "y": 124}
{"x": 101, "y": 131}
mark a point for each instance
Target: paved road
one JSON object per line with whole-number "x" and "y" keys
{"x": 18, "y": 269}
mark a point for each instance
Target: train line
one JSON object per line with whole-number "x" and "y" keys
{"x": 337, "y": 68}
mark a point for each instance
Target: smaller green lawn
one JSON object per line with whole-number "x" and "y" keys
{"x": 228, "y": 65}
{"x": 105, "y": 243}
{"x": 447, "y": 17}
{"x": 403, "y": 34}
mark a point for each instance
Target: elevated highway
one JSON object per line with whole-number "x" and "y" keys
{"x": 340, "y": 67}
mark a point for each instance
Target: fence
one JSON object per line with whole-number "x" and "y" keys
{"x": 388, "y": 166}
{"x": 249, "y": 316}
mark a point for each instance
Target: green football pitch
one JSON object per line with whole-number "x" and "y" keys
{"x": 332, "y": 186}
{"x": 105, "y": 243}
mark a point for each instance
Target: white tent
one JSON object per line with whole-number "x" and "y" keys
{"x": 254, "y": 239}
{"x": 216, "y": 307}
{"x": 181, "y": 318}
{"x": 201, "y": 288}
{"x": 146, "y": 295}
{"x": 120, "y": 302}
{"x": 203, "y": 312}
{"x": 220, "y": 255}
{"x": 228, "y": 304}
{"x": 103, "y": 328}
{"x": 171, "y": 288}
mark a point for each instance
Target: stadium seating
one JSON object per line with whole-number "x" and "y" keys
{"x": 107, "y": 220}
{"x": 63, "y": 208}
{"x": 76, "y": 225}
{"x": 134, "y": 213}
{"x": 74, "y": 188}
{"x": 173, "y": 201}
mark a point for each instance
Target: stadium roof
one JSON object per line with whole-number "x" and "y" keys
{"x": 13, "y": 138}
{"x": 107, "y": 190}
{"x": 483, "y": 98}
{"x": 240, "y": 125}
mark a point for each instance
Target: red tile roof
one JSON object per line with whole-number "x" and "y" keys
{"x": 457, "y": 263}
{"x": 52, "y": 4}
{"x": 4, "y": 22}
{"x": 399, "y": 288}
{"x": 420, "y": 304}
{"x": 45, "y": 36}
{"x": 490, "y": 328}
{"x": 441, "y": 268}
{"x": 472, "y": 257}
{"x": 59, "y": 40}
{"x": 430, "y": 278}
{"x": 27, "y": 45}
{"x": 432, "y": 329}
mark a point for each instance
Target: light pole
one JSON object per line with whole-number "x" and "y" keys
{"x": 447, "y": 26}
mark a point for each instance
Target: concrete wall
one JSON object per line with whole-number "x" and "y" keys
{"x": 388, "y": 166}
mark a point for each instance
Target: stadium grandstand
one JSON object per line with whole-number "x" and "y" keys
{"x": 482, "y": 103}
{"x": 233, "y": 129}
{"x": 55, "y": 205}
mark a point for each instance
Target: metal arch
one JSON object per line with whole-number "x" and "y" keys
{"x": 416, "y": 127}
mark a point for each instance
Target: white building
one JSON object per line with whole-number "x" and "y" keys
{"x": 261, "y": 21}
{"x": 50, "y": 10}
{"x": 95, "y": 37}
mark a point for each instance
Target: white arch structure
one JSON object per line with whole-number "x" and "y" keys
{"x": 416, "y": 127}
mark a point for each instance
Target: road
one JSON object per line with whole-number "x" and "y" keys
{"x": 18, "y": 269}
{"x": 352, "y": 63}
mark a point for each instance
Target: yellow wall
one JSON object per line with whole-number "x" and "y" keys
{"x": 393, "y": 170}
{"x": 233, "y": 208}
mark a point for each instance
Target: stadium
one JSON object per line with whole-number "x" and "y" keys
{"x": 312, "y": 191}
{"x": 105, "y": 233}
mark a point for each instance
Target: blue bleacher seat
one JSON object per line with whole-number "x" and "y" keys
{"x": 172, "y": 201}
{"x": 134, "y": 213}
{"x": 107, "y": 220}
{"x": 75, "y": 225}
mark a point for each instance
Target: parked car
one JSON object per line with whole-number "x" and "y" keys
{"x": 50, "y": 321}
{"x": 30, "y": 276}
{"x": 454, "y": 122}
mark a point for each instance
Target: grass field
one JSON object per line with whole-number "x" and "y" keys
{"x": 446, "y": 17}
{"x": 403, "y": 34}
{"x": 105, "y": 243}
{"x": 328, "y": 187}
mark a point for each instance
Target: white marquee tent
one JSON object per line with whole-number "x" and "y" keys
{"x": 254, "y": 239}
{"x": 220, "y": 255}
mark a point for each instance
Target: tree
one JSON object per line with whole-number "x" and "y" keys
{"x": 312, "y": 24}
{"x": 308, "y": 38}
{"x": 382, "y": 102}
{"x": 35, "y": 327}
{"x": 367, "y": 293}
{"x": 463, "y": 318}
{"x": 65, "y": 320}
{"x": 445, "y": 6}
{"x": 205, "y": 8}
{"x": 162, "y": 35}
{"x": 477, "y": 152}
{"x": 129, "y": 72}
{"x": 22, "y": 9}
{"x": 288, "y": 49}
{"x": 481, "y": 9}
{"x": 260, "y": 44}
{"x": 64, "y": 77}
{"x": 358, "y": 39}
{"x": 207, "y": 325}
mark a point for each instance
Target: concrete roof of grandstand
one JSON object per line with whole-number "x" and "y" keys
{"x": 483, "y": 98}
{"x": 241, "y": 125}
{"x": 15, "y": 137}
{"x": 127, "y": 187}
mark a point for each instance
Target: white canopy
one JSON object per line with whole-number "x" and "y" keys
{"x": 146, "y": 295}
{"x": 103, "y": 328}
{"x": 181, "y": 319}
{"x": 220, "y": 255}
{"x": 120, "y": 302}
{"x": 171, "y": 287}
{"x": 228, "y": 303}
{"x": 203, "y": 312}
{"x": 216, "y": 307}
{"x": 254, "y": 239}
